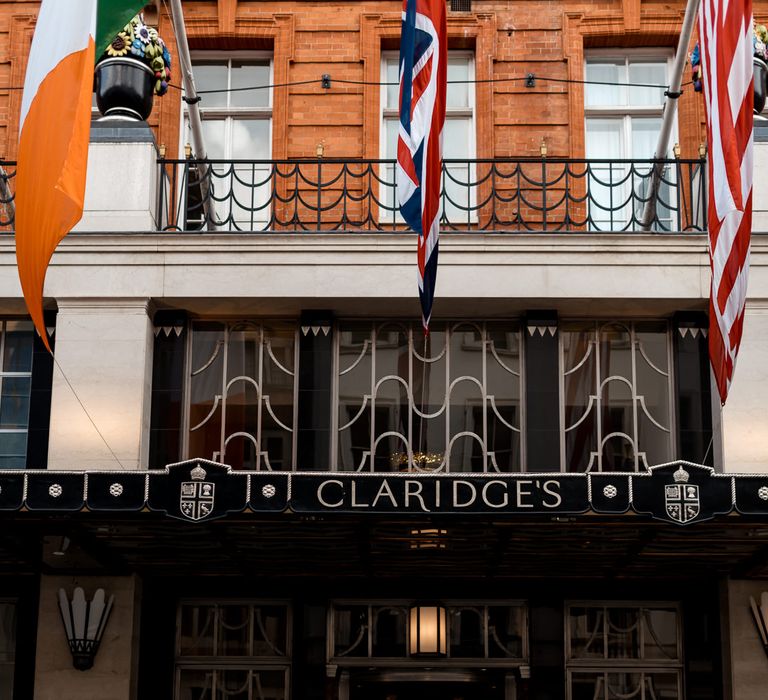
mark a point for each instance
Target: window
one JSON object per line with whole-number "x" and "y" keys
{"x": 450, "y": 402}
{"x": 476, "y": 631}
{"x": 236, "y": 126}
{"x": 15, "y": 389}
{"x": 237, "y": 650}
{"x": 623, "y": 123}
{"x": 616, "y": 389}
{"x": 240, "y": 399}
{"x": 458, "y": 138}
{"x": 624, "y": 651}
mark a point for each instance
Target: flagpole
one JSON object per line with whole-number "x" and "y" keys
{"x": 670, "y": 110}
{"x": 192, "y": 100}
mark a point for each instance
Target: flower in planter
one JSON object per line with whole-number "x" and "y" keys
{"x": 120, "y": 45}
{"x": 143, "y": 43}
{"x": 760, "y": 41}
{"x": 142, "y": 33}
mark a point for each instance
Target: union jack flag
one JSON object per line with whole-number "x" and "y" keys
{"x": 725, "y": 32}
{"x": 423, "y": 73}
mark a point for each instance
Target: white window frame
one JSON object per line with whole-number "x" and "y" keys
{"x": 627, "y": 112}
{"x": 229, "y": 114}
{"x": 386, "y": 113}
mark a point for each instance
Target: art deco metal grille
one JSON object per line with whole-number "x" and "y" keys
{"x": 449, "y": 402}
{"x": 616, "y": 389}
{"x": 241, "y": 394}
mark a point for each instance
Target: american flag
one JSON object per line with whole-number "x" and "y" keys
{"x": 423, "y": 71}
{"x": 725, "y": 33}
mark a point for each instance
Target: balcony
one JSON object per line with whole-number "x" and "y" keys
{"x": 502, "y": 195}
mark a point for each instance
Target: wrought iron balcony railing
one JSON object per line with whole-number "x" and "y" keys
{"x": 503, "y": 195}
{"x": 349, "y": 195}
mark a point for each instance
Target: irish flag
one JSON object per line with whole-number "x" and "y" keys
{"x": 54, "y": 129}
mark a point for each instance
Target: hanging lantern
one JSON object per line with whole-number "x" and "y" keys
{"x": 428, "y": 633}
{"x": 84, "y": 623}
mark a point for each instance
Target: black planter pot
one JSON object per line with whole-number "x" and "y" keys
{"x": 760, "y": 75}
{"x": 124, "y": 88}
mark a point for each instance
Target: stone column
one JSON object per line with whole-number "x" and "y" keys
{"x": 114, "y": 672}
{"x": 745, "y": 431}
{"x": 104, "y": 349}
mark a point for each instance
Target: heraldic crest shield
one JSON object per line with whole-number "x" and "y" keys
{"x": 197, "y": 496}
{"x": 681, "y": 498}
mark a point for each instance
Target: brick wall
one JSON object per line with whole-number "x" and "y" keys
{"x": 510, "y": 38}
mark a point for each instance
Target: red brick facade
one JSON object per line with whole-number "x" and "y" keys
{"x": 510, "y": 38}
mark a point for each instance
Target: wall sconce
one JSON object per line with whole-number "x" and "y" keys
{"x": 676, "y": 150}
{"x": 84, "y": 623}
{"x": 702, "y": 150}
{"x": 428, "y": 631}
{"x": 187, "y": 151}
{"x": 760, "y": 617}
{"x": 320, "y": 150}
{"x": 543, "y": 148}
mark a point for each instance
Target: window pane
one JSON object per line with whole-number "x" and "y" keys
{"x": 234, "y": 630}
{"x": 197, "y": 630}
{"x": 605, "y": 95}
{"x": 393, "y": 90}
{"x": 645, "y": 134}
{"x": 649, "y": 73}
{"x": 350, "y": 626}
{"x": 587, "y": 686}
{"x": 250, "y": 138}
{"x": 457, "y": 96}
{"x": 623, "y": 633}
{"x": 233, "y": 684}
{"x": 14, "y": 403}
{"x": 211, "y": 75}
{"x": 195, "y": 684}
{"x": 506, "y": 629}
{"x": 214, "y": 135}
{"x": 587, "y": 633}
{"x": 270, "y": 630}
{"x": 249, "y": 74}
{"x": 466, "y": 627}
{"x": 389, "y": 631}
{"x": 13, "y": 445}
{"x": 267, "y": 685}
{"x": 660, "y": 634}
{"x": 18, "y": 347}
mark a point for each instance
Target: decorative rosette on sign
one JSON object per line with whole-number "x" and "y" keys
{"x": 143, "y": 43}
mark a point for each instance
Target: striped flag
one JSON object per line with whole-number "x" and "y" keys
{"x": 54, "y": 130}
{"x": 423, "y": 72}
{"x": 725, "y": 33}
